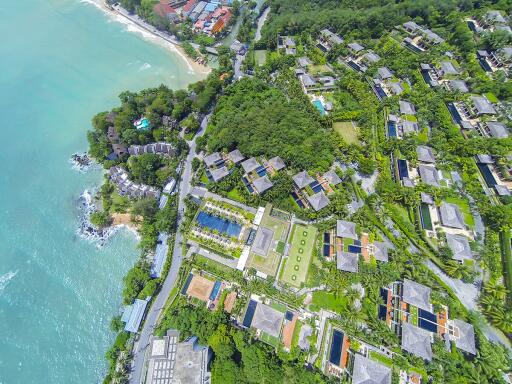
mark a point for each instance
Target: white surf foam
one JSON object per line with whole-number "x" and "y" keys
{"x": 6, "y": 278}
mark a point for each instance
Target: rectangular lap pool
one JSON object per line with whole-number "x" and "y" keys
{"x": 220, "y": 224}
{"x": 336, "y": 345}
{"x": 426, "y": 221}
{"x": 391, "y": 129}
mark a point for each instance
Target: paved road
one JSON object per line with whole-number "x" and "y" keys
{"x": 261, "y": 21}
{"x": 155, "y": 311}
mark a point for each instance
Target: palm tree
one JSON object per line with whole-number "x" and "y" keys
{"x": 502, "y": 319}
{"x": 458, "y": 270}
{"x": 496, "y": 290}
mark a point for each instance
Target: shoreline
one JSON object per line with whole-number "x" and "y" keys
{"x": 149, "y": 32}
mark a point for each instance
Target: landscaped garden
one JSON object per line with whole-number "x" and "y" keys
{"x": 299, "y": 257}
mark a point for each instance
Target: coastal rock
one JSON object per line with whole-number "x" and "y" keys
{"x": 81, "y": 162}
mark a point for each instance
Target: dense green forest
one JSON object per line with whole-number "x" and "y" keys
{"x": 260, "y": 120}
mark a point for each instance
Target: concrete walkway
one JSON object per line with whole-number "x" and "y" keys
{"x": 196, "y": 248}
{"x": 261, "y": 22}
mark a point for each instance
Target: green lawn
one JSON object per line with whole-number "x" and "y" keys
{"x": 271, "y": 340}
{"x": 464, "y": 208}
{"x": 381, "y": 358}
{"x": 280, "y": 307}
{"x": 299, "y": 257}
{"x": 327, "y": 301}
{"x": 316, "y": 69}
{"x": 213, "y": 264}
{"x": 347, "y": 130}
{"x": 491, "y": 97}
{"x": 270, "y": 262}
{"x": 260, "y": 57}
{"x": 234, "y": 195}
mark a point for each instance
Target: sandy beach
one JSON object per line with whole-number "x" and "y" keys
{"x": 126, "y": 219}
{"x": 150, "y": 33}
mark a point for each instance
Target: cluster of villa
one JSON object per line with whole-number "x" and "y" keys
{"x": 160, "y": 148}
{"x": 118, "y": 149}
{"x": 287, "y": 44}
{"x": 403, "y": 124}
{"x": 209, "y": 17}
{"x": 491, "y": 21}
{"x": 444, "y": 75}
{"x": 359, "y": 58}
{"x": 419, "y": 38}
{"x": 425, "y": 171}
{"x": 386, "y": 84}
{"x": 312, "y": 192}
{"x": 256, "y": 172}
{"x": 313, "y": 83}
{"x": 119, "y": 177}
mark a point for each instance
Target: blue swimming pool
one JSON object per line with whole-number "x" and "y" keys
{"x": 318, "y": 104}
{"x": 327, "y": 249}
{"x": 427, "y": 320}
{"x": 487, "y": 174}
{"x": 485, "y": 65}
{"x": 315, "y": 186}
{"x": 336, "y": 345}
{"x": 296, "y": 198}
{"x": 380, "y": 92}
{"x": 455, "y": 114}
{"x": 247, "y": 185}
{"x": 354, "y": 249}
{"x": 215, "y": 290}
{"x": 391, "y": 129}
{"x": 249, "y": 314}
{"x": 402, "y": 169}
{"x": 222, "y": 225}
{"x": 261, "y": 171}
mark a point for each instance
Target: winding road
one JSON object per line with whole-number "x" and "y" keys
{"x": 139, "y": 348}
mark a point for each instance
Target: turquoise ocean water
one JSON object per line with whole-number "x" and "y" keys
{"x": 61, "y": 62}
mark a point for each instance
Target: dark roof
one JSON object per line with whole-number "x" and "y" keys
{"x": 355, "y": 47}
{"x": 497, "y": 129}
{"x": 451, "y": 216}
{"x": 219, "y": 173}
{"x": 262, "y": 241}
{"x": 277, "y": 163}
{"x": 482, "y": 105}
{"x": 236, "y": 156}
{"x": 425, "y": 154}
{"x": 385, "y": 73}
{"x": 417, "y": 341}
{"x": 267, "y": 319}
{"x": 368, "y": 371}
{"x": 406, "y": 108}
{"x": 332, "y": 177}
{"x": 302, "y": 179}
{"x": 250, "y": 165}
{"x": 460, "y": 246}
{"x": 429, "y": 175}
{"x": 262, "y": 184}
{"x": 346, "y": 229}
{"x": 318, "y": 200}
{"x": 346, "y": 261}
{"x": 464, "y": 336}
{"x": 458, "y": 85}
{"x": 484, "y": 159}
{"x": 416, "y": 294}
{"x": 211, "y": 159}
{"x": 426, "y": 198}
{"x": 380, "y": 251}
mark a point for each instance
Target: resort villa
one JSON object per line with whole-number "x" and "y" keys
{"x": 125, "y": 187}
{"x": 386, "y": 85}
{"x": 349, "y": 247}
{"x": 444, "y": 76}
{"x": 309, "y": 192}
{"x": 490, "y": 21}
{"x": 497, "y": 178}
{"x": 407, "y": 310}
{"x": 133, "y": 315}
{"x": 328, "y": 40}
{"x": 405, "y": 124}
{"x": 359, "y": 58}
{"x": 492, "y": 61}
{"x": 287, "y": 43}
{"x": 160, "y": 148}
{"x": 170, "y": 361}
{"x": 419, "y": 38}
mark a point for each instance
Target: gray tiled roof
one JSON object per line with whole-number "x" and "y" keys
{"x": 497, "y": 129}
{"x": 318, "y": 200}
{"x": 384, "y": 73}
{"x": 262, "y": 184}
{"x": 458, "y": 85}
{"x": 348, "y": 262}
{"x": 417, "y": 341}
{"x": 211, "y": 158}
{"x": 416, "y": 294}
{"x": 502, "y": 190}
{"x": 406, "y": 108}
{"x": 482, "y": 105}
{"x": 302, "y": 179}
{"x": 277, "y": 163}
{"x": 332, "y": 177}
{"x": 368, "y": 371}
{"x": 307, "y": 80}
{"x": 346, "y": 229}
{"x": 381, "y": 251}
{"x": 484, "y": 159}
{"x": 409, "y": 127}
{"x": 219, "y": 173}
{"x": 396, "y": 87}
{"x": 250, "y": 165}
{"x": 355, "y": 47}
{"x": 267, "y": 319}
{"x": 303, "y": 61}
{"x": 494, "y": 16}
{"x": 429, "y": 175}
{"x": 426, "y": 198}
{"x": 372, "y": 57}
{"x": 451, "y": 216}
{"x": 262, "y": 241}
{"x": 406, "y": 182}
{"x": 305, "y": 332}
{"x": 448, "y": 68}
{"x": 425, "y": 154}
{"x": 460, "y": 246}
{"x": 465, "y": 337}
{"x": 236, "y": 156}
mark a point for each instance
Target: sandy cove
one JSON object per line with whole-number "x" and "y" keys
{"x": 150, "y": 33}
